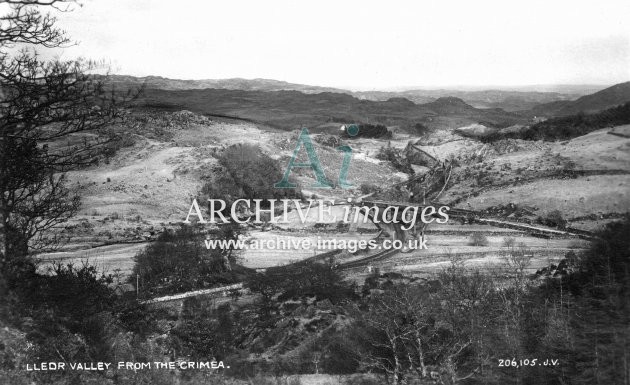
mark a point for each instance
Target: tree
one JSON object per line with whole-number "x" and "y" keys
{"x": 44, "y": 106}
{"x": 468, "y": 310}
{"x": 246, "y": 172}
{"x": 434, "y": 331}
{"x": 179, "y": 261}
{"x": 299, "y": 281}
{"x": 393, "y": 334}
{"x": 478, "y": 239}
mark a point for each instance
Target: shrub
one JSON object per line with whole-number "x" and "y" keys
{"x": 509, "y": 242}
{"x": 301, "y": 281}
{"x": 70, "y": 311}
{"x": 179, "y": 261}
{"x": 368, "y": 188}
{"x": 203, "y": 332}
{"x": 396, "y": 158}
{"x": 553, "y": 219}
{"x": 420, "y": 129}
{"x": 114, "y": 144}
{"x": 246, "y": 172}
{"x": 608, "y": 257}
{"x": 478, "y": 239}
{"x": 328, "y": 140}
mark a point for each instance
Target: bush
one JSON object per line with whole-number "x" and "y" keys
{"x": 608, "y": 258}
{"x": 246, "y": 172}
{"x": 509, "y": 242}
{"x": 179, "y": 261}
{"x": 328, "y": 140}
{"x": 301, "y": 281}
{"x": 114, "y": 144}
{"x": 553, "y": 219}
{"x": 203, "y": 333}
{"x": 71, "y": 312}
{"x": 396, "y": 158}
{"x": 368, "y": 188}
{"x": 478, "y": 239}
{"x": 420, "y": 129}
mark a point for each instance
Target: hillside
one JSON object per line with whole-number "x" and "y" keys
{"x": 162, "y": 83}
{"x": 451, "y": 106}
{"x": 606, "y": 98}
{"x": 288, "y": 110}
{"x": 146, "y": 186}
{"x": 508, "y": 100}
{"x": 564, "y": 127}
{"x": 144, "y": 189}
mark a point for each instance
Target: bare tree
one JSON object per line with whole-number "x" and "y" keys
{"x": 468, "y": 310}
{"x": 395, "y": 333}
{"x": 382, "y": 337}
{"x": 46, "y": 110}
{"x": 26, "y": 24}
{"x": 513, "y": 298}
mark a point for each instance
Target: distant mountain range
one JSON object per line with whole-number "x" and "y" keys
{"x": 161, "y": 83}
{"x": 324, "y": 111}
{"x": 519, "y": 99}
{"x": 505, "y": 99}
{"x": 287, "y": 106}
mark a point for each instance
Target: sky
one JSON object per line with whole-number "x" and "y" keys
{"x": 359, "y": 44}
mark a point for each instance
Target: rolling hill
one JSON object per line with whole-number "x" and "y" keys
{"x": 601, "y": 100}
{"x": 286, "y": 105}
{"x": 287, "y": 110}
{"x": 509, "y": 100}
{"x": 512, "y": 99}
{"x": 162, "y": 83}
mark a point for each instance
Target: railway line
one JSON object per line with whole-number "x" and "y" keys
{"x": 382, "y": 255}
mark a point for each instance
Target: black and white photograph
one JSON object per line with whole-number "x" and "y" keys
{"x": 314, "y": 193}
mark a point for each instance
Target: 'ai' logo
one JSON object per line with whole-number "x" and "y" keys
{"x": 314, "y": 164}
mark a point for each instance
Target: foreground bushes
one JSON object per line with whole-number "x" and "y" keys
{"x": 71, "y": 313}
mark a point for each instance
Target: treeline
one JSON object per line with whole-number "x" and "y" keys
{"x": 567, "y": 127}
{"x": 366, "y": 130}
